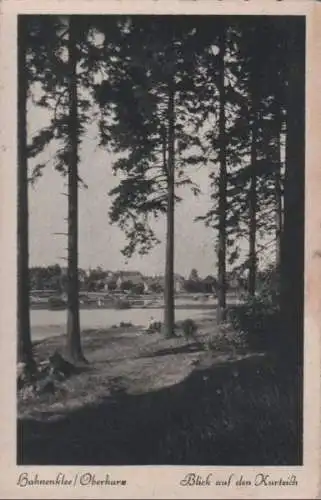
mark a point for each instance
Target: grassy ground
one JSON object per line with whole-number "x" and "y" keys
{"x": 148, "y": 400}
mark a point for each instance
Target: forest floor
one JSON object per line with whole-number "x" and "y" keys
{"x": 144, "y": 399}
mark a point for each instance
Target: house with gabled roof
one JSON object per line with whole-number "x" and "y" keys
{"x": 134, "y": 277}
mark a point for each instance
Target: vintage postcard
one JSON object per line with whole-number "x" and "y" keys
{"x": 161, "y": 249}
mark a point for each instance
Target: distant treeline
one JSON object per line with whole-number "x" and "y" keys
{"x": 54, "y": 278}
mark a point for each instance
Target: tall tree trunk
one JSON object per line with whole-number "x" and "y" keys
{"x": 292, "y": 256}
{"x": 253, "y": 199}
{"x": 169, "y": 312}
{"x": 221, "y": 307}
{"x": 23, "y": 315}
{"x": 278, "y": 203}
{"x": 164, "y": 149}
{"x": 74, "y": 350}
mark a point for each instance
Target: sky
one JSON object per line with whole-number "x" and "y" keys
{"x": 100, "y": 243}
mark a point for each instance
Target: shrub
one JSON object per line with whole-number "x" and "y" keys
{"x": 226, "y": 338}
{"x": 138, "y": 289}
{"x": 122, "y": 304}
{"x": 189, "y": 328}
{"x": 156, "y": 287}
{"x": 193, "y": 286}
{"x": 26, "y": 375}
{"x": 60, "y": 367}
{"x": 268, "y": 286}
{"x": 125, "y": 324}
{"x": 259, "y": 317}
{"x": 56, "y": 303}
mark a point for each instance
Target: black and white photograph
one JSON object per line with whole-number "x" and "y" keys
{"x": 160, "y": 234}
{"x": 160, "y": 240}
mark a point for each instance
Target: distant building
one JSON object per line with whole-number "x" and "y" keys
{"x": 158, "y": 282}
{"x": 110, "y": 283}
{"x": 210, "y": 284}
{"x": 134, "y": 277}
{"x": 115, "y": 281}
{"x": 178, "y": 283}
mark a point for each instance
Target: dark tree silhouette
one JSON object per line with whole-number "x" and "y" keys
{"x": 151, "y": 88}
{"x": 169, "y": 313}
{"x": 73, "y": 327}
{"x": 24, "y": 338}
{"x": 292, "y": 255}
{"x": 221, "y": 307}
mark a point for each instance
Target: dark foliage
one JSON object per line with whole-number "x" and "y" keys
{"x": 259, "y": 317}
{"x": 208, "y": 419}
{"x": 122, "y": 304}
{"x": 56, "y": 303}
{"x": 189, "y": 328}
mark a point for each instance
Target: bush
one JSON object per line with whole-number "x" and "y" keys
{"x": 259, "y": 317}
{"x": 138, "y": 289}
{"x": 60, "y": 367}
{"x": 226, "y": 338}
{"x": 125, "y": 324}
{"x": 189, "y": 328}
{"x": 193, "y": 286}
{"x": 268, "y": 285}
{"x": 122, "y": 304}
{"x": 26, "y": 375}
{"x": 156, "y": 287}
{"x": 56, "y": 303}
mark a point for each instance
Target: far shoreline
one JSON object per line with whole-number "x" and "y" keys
{"x": 44, "y": 307}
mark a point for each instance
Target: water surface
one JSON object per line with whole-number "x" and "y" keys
{"x": 45, "y": 323}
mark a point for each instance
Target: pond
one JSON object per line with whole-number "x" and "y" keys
{"x": 45, "y": 323}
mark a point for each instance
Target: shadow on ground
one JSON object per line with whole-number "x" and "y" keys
{"x": 192, "y": 347}
{"x": 238, "y": 413}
